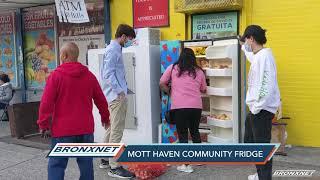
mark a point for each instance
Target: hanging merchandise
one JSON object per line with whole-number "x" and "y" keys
{"x": 8, "y": 63}
{"x": 72, "y": 11}
{"x": 39, "y": 45}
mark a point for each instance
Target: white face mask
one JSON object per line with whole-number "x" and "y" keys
{"x": 247, "y": 47}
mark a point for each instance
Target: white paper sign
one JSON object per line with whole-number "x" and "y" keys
{"x": 72, "y": 11}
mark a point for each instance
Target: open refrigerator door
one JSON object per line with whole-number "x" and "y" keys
{"x": 223, "y": 91}
{"x": 220, "y": 122}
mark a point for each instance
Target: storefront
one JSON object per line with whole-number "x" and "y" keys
{"x": 292, "y": 32}
{"x": 30, "y": 41}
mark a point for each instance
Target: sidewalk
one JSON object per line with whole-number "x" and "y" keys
{"x": 25, "y": 163}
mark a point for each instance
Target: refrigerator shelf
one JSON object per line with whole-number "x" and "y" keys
{"x": 204, "y": 125}
{"x": 201, "y": 56}
{"x": 205, "y": 131}
{"x": 218, "y": 140}
{"x": 225, "y": 109}
{"x": 219, "y": 91}
{"x": 218, "y": 72}
{"x": 220, "y": 123}
{"x": 205, "y": 95}
{"x": 222, "y": 50}
{"x": 206, "y": 113}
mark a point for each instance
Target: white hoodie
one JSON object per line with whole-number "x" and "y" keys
{"x": 263, "y": 91}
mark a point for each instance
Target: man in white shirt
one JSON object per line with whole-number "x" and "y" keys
{"x": 263, "y": 96}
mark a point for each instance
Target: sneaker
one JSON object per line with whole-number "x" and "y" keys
{"x": 120, "y": 172}
{"x": 104, "y": 164}
{"x": 185, "y": 168}
{"x": 253, "y": 177}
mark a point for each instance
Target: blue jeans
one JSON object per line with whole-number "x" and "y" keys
{"x": 57, "y": 165}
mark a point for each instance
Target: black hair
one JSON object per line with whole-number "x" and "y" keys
{"x": 187, "y": 63}
{"x": 126, "y": 30}
{"x": 4, "y": 78}
{"x": 255, "y": 31}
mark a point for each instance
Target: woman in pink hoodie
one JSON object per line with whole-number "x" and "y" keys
{"x": 188, "y": 81}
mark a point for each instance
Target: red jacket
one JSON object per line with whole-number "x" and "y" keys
{"x": 67, "y": 98}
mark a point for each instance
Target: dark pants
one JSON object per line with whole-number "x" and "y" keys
{"x": 188, "y": 119}
{"x": 57, "y": 165}
{"x": 258, "y": 130}
{"x": 2, "y": 105}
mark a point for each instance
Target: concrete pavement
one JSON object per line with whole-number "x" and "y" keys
{"x": 26, "y": 163}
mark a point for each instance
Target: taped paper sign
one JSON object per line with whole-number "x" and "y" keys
{"x": 72, "y": 11}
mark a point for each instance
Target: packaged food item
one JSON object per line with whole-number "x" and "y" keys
{"x": 221, "y": 117}
{"x": 203, "y": 119}
{"x": 199, "y": 50}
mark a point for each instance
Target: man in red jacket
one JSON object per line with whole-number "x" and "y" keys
{"x": 66, "y": 110}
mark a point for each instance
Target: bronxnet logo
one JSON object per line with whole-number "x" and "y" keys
{"x": 293, "y": 173}
{"x": 86, "y": 150}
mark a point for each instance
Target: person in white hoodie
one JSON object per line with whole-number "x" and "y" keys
{"x": 263, "y": 96}
{"x": 5, "y": 91}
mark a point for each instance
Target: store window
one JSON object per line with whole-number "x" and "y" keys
{"x": 8, "y": 63}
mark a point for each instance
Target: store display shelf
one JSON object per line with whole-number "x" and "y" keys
{"x": 219, "y": 91}
{"x": 220, "y": 123}
{"x": 218, "y": 140}
{"x": 218, "y": 72}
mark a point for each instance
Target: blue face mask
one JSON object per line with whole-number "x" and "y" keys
{"x": 128, "y": 43}
{"x": 247, "y": 47}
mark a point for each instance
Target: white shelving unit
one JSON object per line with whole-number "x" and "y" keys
{"x": 220, "y": 123}
{"x": 218, "y": 72}
{"x": 218, "y": 140}
{"x": 212, "y": 91}
{"x": 223, "y": 91}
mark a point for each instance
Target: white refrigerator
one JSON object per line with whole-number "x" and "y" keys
{"x": 222, "y": 104}
{"x": 142, "y": 74}
{"x": 224, "y": 91}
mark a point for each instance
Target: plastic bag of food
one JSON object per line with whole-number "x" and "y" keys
{"x": 149, "y": 171}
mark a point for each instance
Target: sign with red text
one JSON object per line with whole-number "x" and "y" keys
{"x": 8, "y": 63}
{"x": 6, "y": 23}
{"x": 150, "y": 13}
